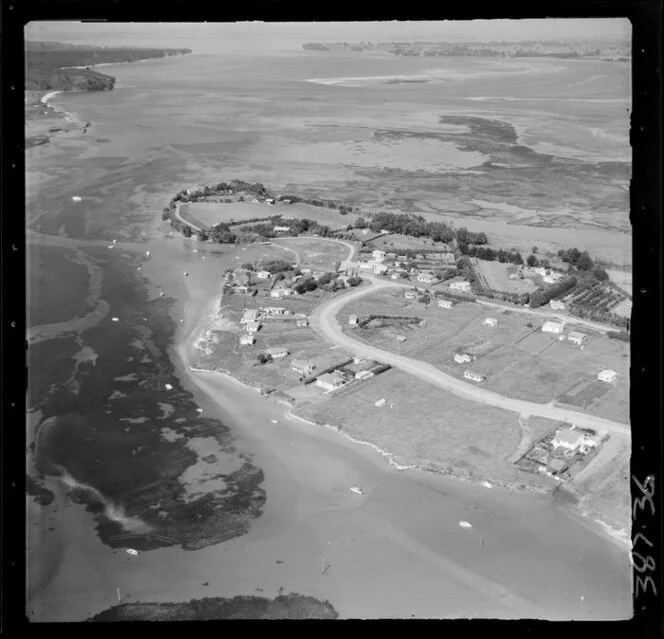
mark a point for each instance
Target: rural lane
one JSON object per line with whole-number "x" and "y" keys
{"x": 324, "y": 321}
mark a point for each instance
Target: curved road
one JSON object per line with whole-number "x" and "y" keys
{"x": 324, "y": 320}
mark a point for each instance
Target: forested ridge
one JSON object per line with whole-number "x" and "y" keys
{"x": 48, "y": 65}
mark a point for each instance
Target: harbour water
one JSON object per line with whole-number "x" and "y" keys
{"x": 397, "y": 551}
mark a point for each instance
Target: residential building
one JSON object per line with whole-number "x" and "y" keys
{"x": 552, "y": 327}
{"x": 445, "y": 304}
{"x": 367, "y": 266}
{"x": 302, "y": 322}
{"x": 460, "y": 286}
{"x": 557, "y": 305}
{"x": 552, "y": 277}
{"x": 462, "y": 358}
{"x": 577, "y": 338}
{"x": 475, "y": 377}
{"x": 263, "y": 275}
{"x": 251, "y": 312}
{"x": 380, "y": 403}
{"x": 358, "y": 359}
{"x": 252, "y": 327}
{"x": 410, "y": 295}
{"x": 247, "y": 340}
{"x": 269, "y": 200}
{"x": 352, "y": 320}
{"x": 390, "y": 256}
{"x": 394, "y": 276}
{"x": 419, "y": 256}
{"x": 425, "y": 277}
{"x": 274, "y": 310}
{"x": 330, "y": 381}
{"x": 568, "y": 438}
{"x": 276, "y": 292}
{"x": 305, "y": 271}
{"x": 378, "y": 255}
{"x": 302, "y": 366}
{"x": 557, "y": 465}
{"x": 379, "y": 269}
{"x": 277, "y": 352}
{"x": 282, "y": 229}
{"x": 365, "y": 231}
{"x": 242, "y": 288}
{"x": 607, "y": 375}
{"x": 401, "y": 338}
{"x": 490, "y": 321}
{"x": 364, "y": 374}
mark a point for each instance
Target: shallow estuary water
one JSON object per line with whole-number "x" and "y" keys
{"x": 396, "y": 552}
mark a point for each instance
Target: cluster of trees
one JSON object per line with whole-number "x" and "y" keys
{"x": 534, "y": 262}
{"x": 330, "y": 204}
{"x": 543, "y": 295}
{"x": 620, "y": 335}
{"x": 46, "y": 65}
{"x": 486, "y": 253}
{"x": 513, "y": 298}
{"x": 579, "y": 260}
{"x": 277, "y": 266}
{"x": 220, "y": 234}
{"x": 412, "y": 225}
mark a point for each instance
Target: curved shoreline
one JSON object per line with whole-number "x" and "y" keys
{"x": 186, "y": 349}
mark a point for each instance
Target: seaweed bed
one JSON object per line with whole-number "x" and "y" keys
{"x": 291, "y": 606}
{"x": 125, "y": 472}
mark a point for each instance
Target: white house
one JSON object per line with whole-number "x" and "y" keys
{"x": 460, "y": 286}
{"x": 247, "y": 340}
{"x": 305, "y": 271}
{"x": 557, "y": 305}
{"x": 378, "y": 255}
{"x": 276, "y": 292}
{"x": 263, "y": 275}
{"x": 252, "y": 327}
{"x": 462, "y": 358}
{"x": 475, "y": 377}
{"x": 330, "y": 381}
{"x": 277, "y": 352}
{"x": 445, "y": 304}
{"x": 490, "y": 321}
{"x": 607, "y": 375}
{"x": 364, "y": 374}
{"x": 380, "y": 403}
{"x": 302, "y": 366}
{"x": 427, "y": 278}
{"x": 568, "y": 438}
{"x": 379, "y": 269}
{"x": 401, "y": 338}
{"x": 358, "y": 359}
{"x": 577, "y": 338}
{"x": 367, "y": 266}
{"x": 410, "y": 295}
{"x": 552, "y": 327}
{"x": 352, "y": 320}
{"x": 281, "y": 229}
{"x": 302, "y": 322}
{"x": 274, "y": 310}
{"x": 552, "y": 277}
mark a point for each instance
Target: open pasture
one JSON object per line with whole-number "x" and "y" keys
{"x": 212, "y": 213}
{"x": 421, "y": 424}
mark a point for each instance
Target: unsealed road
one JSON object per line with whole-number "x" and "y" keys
{"x": 324, "y": 320}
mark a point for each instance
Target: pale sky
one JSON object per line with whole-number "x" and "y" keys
{"x": 213, "y": 37}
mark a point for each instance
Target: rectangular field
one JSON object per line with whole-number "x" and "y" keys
{"x": 497, "y": 277}
{"x": 517, "y": 358}
{"x": 314, "y": 253}
{"x": 211, "y": 213}
{"x": 421, "y": 424}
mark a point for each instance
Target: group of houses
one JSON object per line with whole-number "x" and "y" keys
{"x": 396, "y": 266}
{"x": 557, "y": 328}
{"x": 361, "y": 368}
{"x": 251, "y": 321}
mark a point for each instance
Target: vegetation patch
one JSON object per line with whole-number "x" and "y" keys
{"x": 291, "y": 606}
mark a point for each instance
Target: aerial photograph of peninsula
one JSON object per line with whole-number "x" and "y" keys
{"x": 328, "y": 320}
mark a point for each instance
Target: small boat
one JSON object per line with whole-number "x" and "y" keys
{"x": 147, "y": 253}
{"x": 111, "y": 245}
{"x": 162, "y": 294}
{"x": 114, "y": 241}
{"x": 200, "y": 410}
{"x": 274, "y": 421}
{"x": 139, "y": 268}
{"x": 486, "y": 484}
{"x": 115, "y": 319}
{"x": 195, "y": 250}
{"x": 465, "y": 524}
{"x": 168, "y": 387}
{"x": 357, "y": 490}
{"x": 76, "y": 198}
{"x": 186, "y": 273}
{"x": 131, "y": 551}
